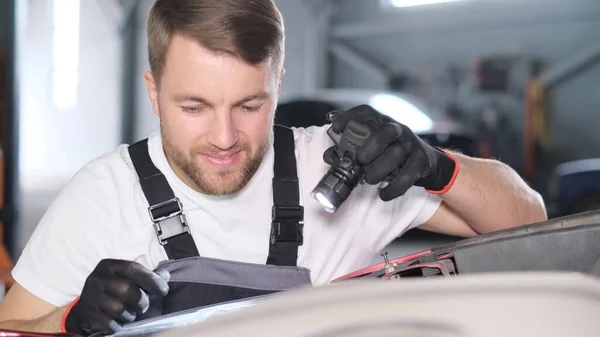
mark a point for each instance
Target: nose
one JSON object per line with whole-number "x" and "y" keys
{"x": 223, "y": 133}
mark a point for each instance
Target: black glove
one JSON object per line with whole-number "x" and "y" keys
{"x": 114, "y": 294}
{"x": 393, "y": 153}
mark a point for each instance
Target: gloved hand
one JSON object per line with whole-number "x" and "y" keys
{"x": 393, "y": 153}
{"x": 114, "y": 294}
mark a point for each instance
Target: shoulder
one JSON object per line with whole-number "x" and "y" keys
{"x": 315, "y": 136}
{"x": 116, "y": 160}
{"x": 104, "y": 184}
{"x": 311, "y": 143}
{"x": 108, "y": 169}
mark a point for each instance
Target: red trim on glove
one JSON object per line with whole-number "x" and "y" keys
{"x": 63, "y": 321}
{"x": 452, "y": 179}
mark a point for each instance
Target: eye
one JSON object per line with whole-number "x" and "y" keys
{"x": 251, "y": 108}
{"x": 191, "y": 109}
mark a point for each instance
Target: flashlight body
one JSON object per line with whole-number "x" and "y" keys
{"x": 341, "y": 179}
{"x": 335, "y": 186}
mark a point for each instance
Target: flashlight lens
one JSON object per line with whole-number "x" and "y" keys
{"x": 336, "y": 185}
{"x": 322, "y": 199}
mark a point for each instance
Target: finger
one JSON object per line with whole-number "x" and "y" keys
{"x": 330, "y": 156}
{"x": 144, "y": 278}
{"x": 117, "y": 310}
{"x": 129, "y": 293}
{"x": 100, "y": 322}
{"x": 388, "y": 162}
{"x": 362, "y": 114}
{"x": 406, "y": 178}
{"x": 164, "y": 274}
{"x": 378, "y": 142}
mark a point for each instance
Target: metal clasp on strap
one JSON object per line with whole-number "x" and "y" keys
{"x": 168, "y": 219}
{"x": 287, "y": 224}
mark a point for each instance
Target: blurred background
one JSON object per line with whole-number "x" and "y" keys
{"x": 515, "y": 80}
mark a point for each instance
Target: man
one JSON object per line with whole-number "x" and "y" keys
{"x": 109, "y": 246}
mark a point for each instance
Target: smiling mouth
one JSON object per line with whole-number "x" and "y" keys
{"x": 222, "y": 160}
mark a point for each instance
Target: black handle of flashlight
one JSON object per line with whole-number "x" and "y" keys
{"x": 351, "y": 138}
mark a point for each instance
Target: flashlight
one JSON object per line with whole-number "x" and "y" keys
{"x": 341, "y": 179}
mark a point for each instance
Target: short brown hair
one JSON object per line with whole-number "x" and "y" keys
{"x": 250, "y": 29}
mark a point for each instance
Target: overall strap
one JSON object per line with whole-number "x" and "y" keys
{"x": 166, "y": 211}
{"x": 287, "y": 214}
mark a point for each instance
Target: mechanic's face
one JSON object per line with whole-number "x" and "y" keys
{"x": 216, "y": 115}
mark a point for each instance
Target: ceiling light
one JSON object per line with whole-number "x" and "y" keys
{"x": 411, "y": 3}
{"x": 401, "y": 111}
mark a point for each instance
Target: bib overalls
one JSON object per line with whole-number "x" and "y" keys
{"x": 199, "y": 281}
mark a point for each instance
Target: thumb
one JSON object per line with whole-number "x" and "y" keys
{"x": 330, "y": 156}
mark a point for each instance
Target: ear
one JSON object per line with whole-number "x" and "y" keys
{"x": 152, "y": 92}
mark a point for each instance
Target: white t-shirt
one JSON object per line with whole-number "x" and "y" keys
{"x": 102, "y": 213}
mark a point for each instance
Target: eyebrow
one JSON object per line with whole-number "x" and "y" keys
{"x": 195, "y": 98}
{"x": 190, "y": 98}
{"x": 262, "y": 95}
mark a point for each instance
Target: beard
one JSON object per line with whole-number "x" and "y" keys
{"x": 212, "y": 181}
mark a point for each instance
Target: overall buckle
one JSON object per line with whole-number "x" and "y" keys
{"x": 287, "y": 224}
{"x": 168, "y": 220}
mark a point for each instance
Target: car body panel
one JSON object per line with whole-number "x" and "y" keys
{"x": 491, "y": 305}
{"x": 574, "y": 187}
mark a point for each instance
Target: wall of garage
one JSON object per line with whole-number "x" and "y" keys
{"x": 425, "y": 40}
{"x": 10, "y": 186}
{"x": 145, "y": 121}
{"x": 56, "y": 142}
{"x": 4, "y": 20}
{"x": 91, "y": 126}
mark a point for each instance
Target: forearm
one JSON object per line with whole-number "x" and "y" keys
{"x": 488, "y": 195}
{"x": 48, "y": 323}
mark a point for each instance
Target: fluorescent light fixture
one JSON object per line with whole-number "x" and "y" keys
{"x": 65, "y": 76}
{"x": 402, "y": 111}
{"x": 411, "y": 3}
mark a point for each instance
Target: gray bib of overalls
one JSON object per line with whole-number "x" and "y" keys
{"x": 198, "y": 281}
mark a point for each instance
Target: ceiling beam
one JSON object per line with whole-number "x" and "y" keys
{"x": 359, "y": 61}
{"x": 570, "y": 67}
{"x": 430, "y": 23}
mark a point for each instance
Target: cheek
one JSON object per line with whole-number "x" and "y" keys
{"x": 256, "y": 127}
{"x": 183, "y": 131}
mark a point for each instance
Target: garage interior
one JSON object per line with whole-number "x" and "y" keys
{"x": 522, "y": 77}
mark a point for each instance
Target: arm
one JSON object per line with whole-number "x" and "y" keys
{"x": 70, "y": 257}
{"x": 478, "y": 195}
{"x": 23, "y": 311}
{"x": 67, "y": 243}
{"x": 486, "y": 196}
{"x": 114, "y": 293}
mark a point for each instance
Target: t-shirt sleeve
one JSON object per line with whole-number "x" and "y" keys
{"x": 389, "y": 220}
{"x": 75, "y": 233}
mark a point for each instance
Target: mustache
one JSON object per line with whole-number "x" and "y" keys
{"x": 211, "y": 150}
